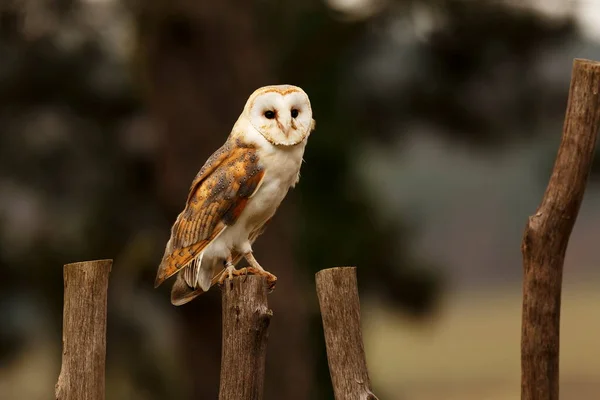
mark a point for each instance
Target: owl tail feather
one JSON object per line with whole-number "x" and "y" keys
{"x": 182, "y": 293}
{"x": 192, "y": 282}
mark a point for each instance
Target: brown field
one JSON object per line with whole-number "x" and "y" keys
{"x": 470, "y": 351}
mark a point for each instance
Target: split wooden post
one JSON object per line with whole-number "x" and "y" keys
{"x": 82, "y": 373}
{"x": 337, "y": 291}
{"x": 547, "y": 235}
{"x": 246, "y": 318}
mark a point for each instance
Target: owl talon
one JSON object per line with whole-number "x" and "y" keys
{"x": 256, "y": 269}
{"x": 242, "y": 272}
{"x": 230, "y": 272}
{"x": 271, "y": 279}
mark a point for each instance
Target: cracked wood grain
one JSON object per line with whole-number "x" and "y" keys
{"x": 246, "y": 318}
{"x": 82, "y": 373}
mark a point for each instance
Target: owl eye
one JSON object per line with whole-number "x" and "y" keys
{"x": 270, "y": 114}
{"x": 294, "y": 113}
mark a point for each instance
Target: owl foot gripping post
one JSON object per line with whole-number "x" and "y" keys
{"x": 253, "y": 269}
{"x": 236, "y": 193}
{"x": 256, "y": 269}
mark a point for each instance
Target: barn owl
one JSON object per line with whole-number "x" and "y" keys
{"x": 237, "y": 192}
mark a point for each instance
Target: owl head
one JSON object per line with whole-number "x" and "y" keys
{"x": 281, "y": 114}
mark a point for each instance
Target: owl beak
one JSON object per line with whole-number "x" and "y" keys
{"x": 286, "y": 125}
{"x": 281, "y": 127}
{"x": 291, "y": 128}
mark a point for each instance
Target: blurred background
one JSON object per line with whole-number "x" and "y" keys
{"x": 437, "y": 126}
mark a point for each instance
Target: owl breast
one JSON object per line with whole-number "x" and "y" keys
{"x": 281, "y": 172}
{"x": 281, "y": 168}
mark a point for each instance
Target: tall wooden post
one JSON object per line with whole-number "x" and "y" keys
{"x": 82, "y": 374}
{"x": 547, "y": 235}
{"x": 340, "y": 309}
{"x": 246, "y": 318}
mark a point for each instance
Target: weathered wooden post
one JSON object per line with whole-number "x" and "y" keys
{"x": 547, "y": 235}
{"x": 82, "y": 374}
{"x": 337, "y": 291}
{"x": 246, "y": 318}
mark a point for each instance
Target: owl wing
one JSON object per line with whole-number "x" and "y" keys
{"x": 217, "y": 197}
{"x": 184, "y": 292}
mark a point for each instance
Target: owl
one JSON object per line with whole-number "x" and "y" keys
{"x": 236, "y": 193}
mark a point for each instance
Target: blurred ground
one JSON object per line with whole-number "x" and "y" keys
{"x": 471, "y": 351}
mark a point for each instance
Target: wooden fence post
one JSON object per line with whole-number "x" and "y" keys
{"x": 82, "y": 372}
{"x": 340, "y": 309}
{"x": 547, "y": 235}
{"x": 246, "y": 318}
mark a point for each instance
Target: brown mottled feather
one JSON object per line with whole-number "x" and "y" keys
{"x": 217, "y": 197}
{"x": 182, "y": 293}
